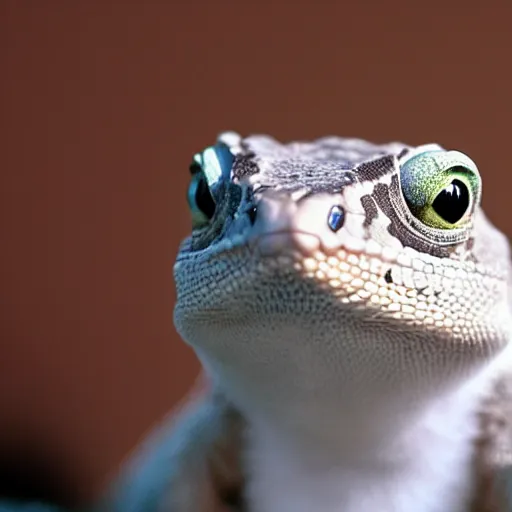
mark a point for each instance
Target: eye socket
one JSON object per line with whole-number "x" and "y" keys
{"x": 441, "y": 188}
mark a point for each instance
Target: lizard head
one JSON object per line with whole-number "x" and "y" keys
{"x": 339, "y": 267}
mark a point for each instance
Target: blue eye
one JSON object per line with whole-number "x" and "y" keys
{"x": 209, "y": 168}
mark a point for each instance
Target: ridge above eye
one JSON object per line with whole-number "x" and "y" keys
{"x": 441, "y": 188}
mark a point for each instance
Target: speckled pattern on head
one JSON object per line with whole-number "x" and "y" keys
{"x": 329, "y": 299}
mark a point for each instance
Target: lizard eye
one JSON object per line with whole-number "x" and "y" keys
{"x": 441, "y": 188}
{"x": 208, "y": 169}
{"x": 200, "y": 200}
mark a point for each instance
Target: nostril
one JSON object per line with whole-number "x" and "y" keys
{"x": 336, "y": 218}
{"x": 252, "y": 214}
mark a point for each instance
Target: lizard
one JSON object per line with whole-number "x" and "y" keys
{"x": 350, "y": 304}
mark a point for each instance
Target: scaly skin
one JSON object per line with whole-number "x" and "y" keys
{"x": 361, "y": 345}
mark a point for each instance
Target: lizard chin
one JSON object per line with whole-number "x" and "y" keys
{"x": 301, "y": 349}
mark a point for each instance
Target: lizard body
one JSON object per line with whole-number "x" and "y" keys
{"x": 350, "y": 303}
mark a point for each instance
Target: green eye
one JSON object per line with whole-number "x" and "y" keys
{"x": 208, "y": 169}
{"x": 441, "y": 188}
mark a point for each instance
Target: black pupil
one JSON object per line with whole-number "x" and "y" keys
{"x": 204, "y": 199}
{"x": 452, "y": 203}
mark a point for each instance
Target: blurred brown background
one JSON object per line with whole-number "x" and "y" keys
{"x": 103, "y": 104}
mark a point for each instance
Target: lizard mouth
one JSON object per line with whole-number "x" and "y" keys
{"x": 279, "y": 242}
{"x": 383, "y": 282}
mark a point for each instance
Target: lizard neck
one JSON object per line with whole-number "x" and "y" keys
{"x": 336, "y": 408}
{"x": 336, "y": 451}
{"x": 316, "y": 392}
{"x": 369, "y": 469}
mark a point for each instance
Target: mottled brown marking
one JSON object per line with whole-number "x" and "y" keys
{"x": 376, "y": 169}
{"x": 370, "y": 210}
